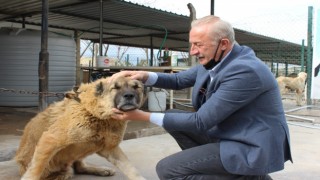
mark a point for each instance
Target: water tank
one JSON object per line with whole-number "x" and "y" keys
{"x": 19, "y": 59}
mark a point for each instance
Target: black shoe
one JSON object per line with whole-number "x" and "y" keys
{"x": 267, "y": 177}
{"x": 263, "y": 177}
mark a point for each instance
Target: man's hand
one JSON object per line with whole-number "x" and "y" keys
{"x": 138, "y": 75}
{"x": 134, "y": 115}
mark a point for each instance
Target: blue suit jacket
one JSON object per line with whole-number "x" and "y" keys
{"x": 243, "y": 109}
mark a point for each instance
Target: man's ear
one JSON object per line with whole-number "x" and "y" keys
{"x": 224, "y": 43}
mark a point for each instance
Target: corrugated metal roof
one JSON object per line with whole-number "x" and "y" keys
{"x": 126, "y": 23}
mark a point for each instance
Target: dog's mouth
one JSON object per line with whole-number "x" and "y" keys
{"x": 127, "y": 107}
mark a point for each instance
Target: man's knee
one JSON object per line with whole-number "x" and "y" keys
{"x": 161, "y": 169}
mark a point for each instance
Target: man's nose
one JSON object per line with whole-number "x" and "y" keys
{"x": 193, "y": 50}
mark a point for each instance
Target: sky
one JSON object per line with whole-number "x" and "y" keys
{"x": 282, "y": 19}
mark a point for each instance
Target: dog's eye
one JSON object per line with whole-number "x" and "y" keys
{"x": 136, "y": 86}
{"x": 115, "y": 87}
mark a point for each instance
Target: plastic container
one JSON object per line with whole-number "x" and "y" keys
{"x": 174, "y": 59}
{"x": 157, "y": 101}
{"x": 103, "y": 61}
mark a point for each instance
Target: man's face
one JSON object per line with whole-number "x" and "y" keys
{"x": 201, "y": 44}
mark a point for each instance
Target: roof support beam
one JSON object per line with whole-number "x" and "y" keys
{"x": 212, "y": 7}
{"x": 101, "y": 28}
{"x": 43, "y": 67}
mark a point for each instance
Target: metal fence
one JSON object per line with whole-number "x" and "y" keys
{"x": 286, "y": 53}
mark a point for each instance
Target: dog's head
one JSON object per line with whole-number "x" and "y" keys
{"x": 126, "y": 94}
{"x": 101, "y": 96}
{"x": 303, "y": 75}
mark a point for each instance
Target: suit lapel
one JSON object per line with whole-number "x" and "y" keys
{"x": 200, "y": 90}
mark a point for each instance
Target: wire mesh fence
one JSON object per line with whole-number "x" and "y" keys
{"x": 283, "y": 48}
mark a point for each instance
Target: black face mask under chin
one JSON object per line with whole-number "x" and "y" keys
{"x": 212, "y": 63}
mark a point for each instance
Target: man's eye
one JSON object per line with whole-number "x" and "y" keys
{"x": 199, "y": 45}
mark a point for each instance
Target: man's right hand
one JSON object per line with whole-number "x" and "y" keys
{"x": 138, "y": 75}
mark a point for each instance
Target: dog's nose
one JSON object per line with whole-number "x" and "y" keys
{"x": 128, "y": 96}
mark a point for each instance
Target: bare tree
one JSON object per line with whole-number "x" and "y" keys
{"x": 121, "y": 51}
{"x": 106, "y": 48}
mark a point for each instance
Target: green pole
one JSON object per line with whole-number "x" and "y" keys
{"x": 277, "y": 74}
{"x": 272, "y": 68}
{"x": 278, "y": 56}
{"x": 302, "y": 56}
{"x": 127, "y": 61}
{"x": 309, "y": 54}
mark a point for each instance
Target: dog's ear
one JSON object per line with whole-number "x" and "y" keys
{"x": 99, "y": 89}
{"x": 75, "y": 89}
{"x": 70, "y": 95}
{"x": 74, "y": 94}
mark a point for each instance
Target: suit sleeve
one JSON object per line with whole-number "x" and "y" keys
{"x": 238, "y": 86}
{"x": 177, "y": 81}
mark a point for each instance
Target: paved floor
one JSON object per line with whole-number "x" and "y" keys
{"x": 144, "y": 148}
{"x": 145, "y": 152}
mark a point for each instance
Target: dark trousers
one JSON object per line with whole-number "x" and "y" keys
{"x": 198, "y": 160}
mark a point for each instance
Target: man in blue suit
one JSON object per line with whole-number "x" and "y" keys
{"x": 238, "y": 130}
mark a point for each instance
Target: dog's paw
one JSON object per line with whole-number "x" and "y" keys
{"x": 140, "y": 178}
{"x": 28, "y": 177}
{"x": 106, "y": 172}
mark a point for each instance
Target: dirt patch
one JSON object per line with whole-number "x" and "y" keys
{"x": 13, "y": 120}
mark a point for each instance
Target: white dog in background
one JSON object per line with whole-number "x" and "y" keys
{"x": 296, "y": 84}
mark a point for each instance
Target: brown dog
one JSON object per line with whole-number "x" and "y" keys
{"x": 56, "y": 140}
{"x": 296, "y": 84}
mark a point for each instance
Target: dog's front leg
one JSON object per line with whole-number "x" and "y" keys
{"x": 117, "y": 157}
{"x": 299, "y": 94}
{"x": 47, "y": 146}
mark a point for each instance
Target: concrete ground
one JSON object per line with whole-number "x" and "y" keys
{"x": 146, "y": 144}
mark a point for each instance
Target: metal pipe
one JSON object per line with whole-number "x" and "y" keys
{"x": 303, "y": 125}
{"x": 101, "y": 28}
{"x": 302, "y": 56}
{"x": 43, "y": 67}
{"x": 299, "y": 117}
{"x": 151, "y": 52}
{"x": 309, "y": 54}
{"x": 299, "y": 108}
{"x": 212, "y": 7}
{"x": 78, "y": 64}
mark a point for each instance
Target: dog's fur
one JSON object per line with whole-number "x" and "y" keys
{"x": 56, "y": 140}
{"x": 296, "y": 84}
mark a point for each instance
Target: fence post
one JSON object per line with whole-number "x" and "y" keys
{"x": 272, "y": 68}
{"x": 309, "y": 54}
{"x": 43, "y": 66}
{"x": 127, "y": 60}
{"x": 302, "y": 56}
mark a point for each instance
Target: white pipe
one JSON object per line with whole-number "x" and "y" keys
{"x": 296, "y": 109}
{"x": 299, "y": 117}
{"x": 303, "y": 125}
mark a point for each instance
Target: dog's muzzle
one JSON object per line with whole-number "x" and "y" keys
{"x": 128, "y": 102}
